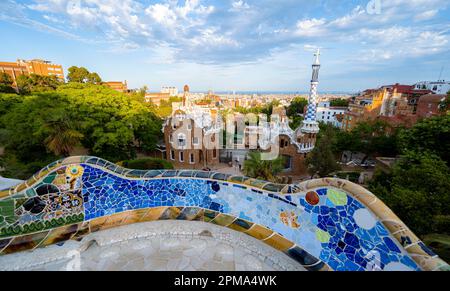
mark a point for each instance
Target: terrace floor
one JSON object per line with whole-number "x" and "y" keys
{"x": 158, "y": 246}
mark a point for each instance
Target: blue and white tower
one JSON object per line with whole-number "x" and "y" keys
{"x": 310, "y": 124}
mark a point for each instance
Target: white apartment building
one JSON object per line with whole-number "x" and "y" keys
{"x": 172, "y": 91}
{"x": 438, "y": 87}
{"x": 328, "y": 114}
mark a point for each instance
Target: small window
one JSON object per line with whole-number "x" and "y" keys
{"x": 181, "y": 140}
{"x": 195, "y": 140}
{"x": 214, "y": 153}
{"x": 287, "y": 162}
{"x": 172, "y": 155}
{"x": 181, "y": 157}
{"x": 192, "y": 159}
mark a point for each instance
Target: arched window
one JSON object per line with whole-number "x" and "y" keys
{"x": 181, "y": 157}
{"x": 181, "y": 140}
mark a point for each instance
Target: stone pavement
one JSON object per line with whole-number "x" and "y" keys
{"x": 157, "y": 246}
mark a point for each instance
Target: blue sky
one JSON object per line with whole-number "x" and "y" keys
{"x": 226, "y": 45}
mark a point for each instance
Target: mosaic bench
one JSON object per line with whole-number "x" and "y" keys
{"x": 326, "y": 224}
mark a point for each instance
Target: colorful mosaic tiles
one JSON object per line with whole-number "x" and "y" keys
{"x": 322, "y": 226}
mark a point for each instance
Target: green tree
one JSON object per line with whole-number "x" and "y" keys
{"x": 267, "y": 170}
{"x": 296, "y": 107}
{"x": 42, "y": 126}
{"x": 6, "y": 83}
{"x": 321, "y": 161}
{"x": 371, "y": 138}
{"x": 268, "y": 108}
{"x": 339, "y": 103}
{"x": 416, "y": 188}
{"x": 62, "y": 135}
{"x": 444, "y": 106}
{"x": 5, "y": 79}
{"x": 37, "y": 83}
{"x": 428, "y": 135}
{"x": 82, "y": 75}
{"x": 296, "y": 122}
{"x": 24, "y": 84}
{"x": 165, "y": 107}
{"x": 6, "y": 89}
{"x": 94, "y": 78}
{"x": 417, "y": 191}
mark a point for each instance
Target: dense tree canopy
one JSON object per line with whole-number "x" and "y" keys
{"x": 266, "y": 109}
{"x": 295, "y": 111}
{"x": 6, "y": 83}
{"x": 417, "y": 190}
{"x": 429, "y": 135}
{"x": 109, "y": 124}
{"x": 5, "y": 79}
{"x": 37, "y": 83}
{"x": 82, "y": 75}
{"x": 445, "y": 104}
{"x": 321, "y": 161}
{"x": 296, "y": 107}
{"x": 165, "y": 107}
{"x": 339, "y": 103}
{"x": 373, "y": 138}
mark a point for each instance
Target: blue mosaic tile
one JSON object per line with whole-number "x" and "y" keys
{"x": 322, "y": 231}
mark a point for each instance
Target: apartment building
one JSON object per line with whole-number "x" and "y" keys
{"x": 38, "y": 67}
{"x": 396, "y": 104}
{"x": 329, "y": 114}
{"x": 117, "y": 86}
{"x": 437, "y": 87}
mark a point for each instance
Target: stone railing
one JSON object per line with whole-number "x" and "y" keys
{"x": 326, "y": 224}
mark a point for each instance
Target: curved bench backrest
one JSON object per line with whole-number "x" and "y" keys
{"x": 326, "y": 224}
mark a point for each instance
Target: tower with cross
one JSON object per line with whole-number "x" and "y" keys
{"x": 310, "y": 124}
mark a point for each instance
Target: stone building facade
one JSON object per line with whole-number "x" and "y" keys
{"x": 186, "y": 145}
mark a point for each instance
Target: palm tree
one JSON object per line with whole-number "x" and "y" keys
{"x": 63, "y": 136}
{"x": 255, "y": 167}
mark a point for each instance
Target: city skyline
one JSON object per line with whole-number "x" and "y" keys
{"x": 235, "y": 45}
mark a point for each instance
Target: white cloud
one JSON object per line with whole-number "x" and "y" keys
{"x": 311, "y": 27}
{"x": 401, "y": 43}
{"x": 349, "y": 19}
{"x": 210, "y": 37}
{"x": 426, "y": 15}
{"x": 173, "y": 16}
{"x": 162, "y": 14}
{"x": 238, "y": 32}
{"x": 239, "y": 5}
